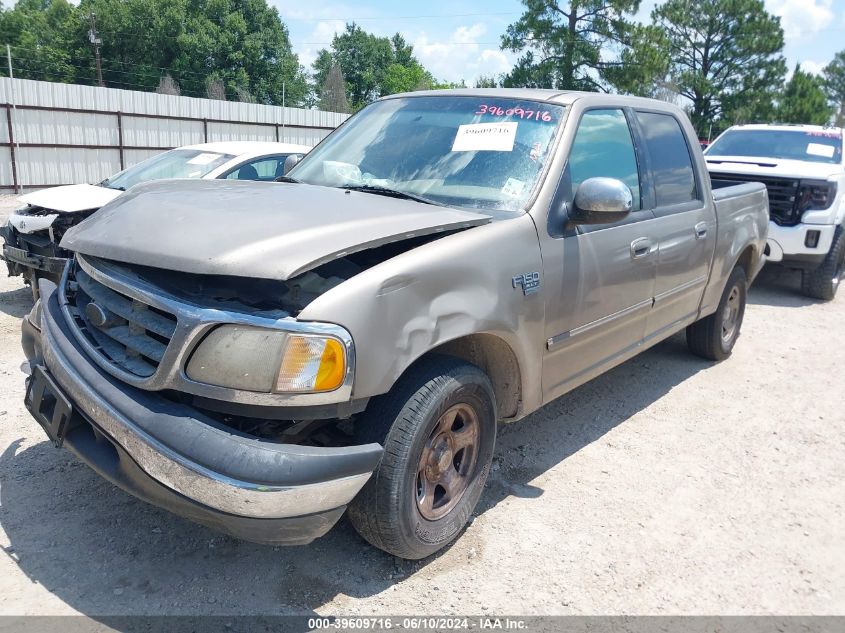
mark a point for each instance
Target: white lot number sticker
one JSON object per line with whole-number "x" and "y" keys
{"x": 489, "y": 137}
{"x": 513, "y": 188}
{"x": 819, "y": 149}
{"x": 203, "y": 159}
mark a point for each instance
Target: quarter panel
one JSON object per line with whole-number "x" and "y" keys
{"x": 741, "y": 223}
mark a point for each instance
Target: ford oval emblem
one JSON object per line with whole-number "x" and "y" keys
{"x": 96, "y": 315}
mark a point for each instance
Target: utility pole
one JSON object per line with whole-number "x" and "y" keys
{"x": 96, "y": 42}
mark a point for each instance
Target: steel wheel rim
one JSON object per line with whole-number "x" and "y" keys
{"x": 730, "y": 315}
{"x": 447, "y": 462}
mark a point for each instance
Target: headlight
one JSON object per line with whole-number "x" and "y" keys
{"x": 815, "y": 195}
{"x": 260, "y": 359}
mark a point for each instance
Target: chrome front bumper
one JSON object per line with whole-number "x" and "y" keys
{"x": 190, "y": 453}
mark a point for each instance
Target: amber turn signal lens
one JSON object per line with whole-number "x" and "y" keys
{"x": 311, "y": 363}
{"x": 332, "y": 367}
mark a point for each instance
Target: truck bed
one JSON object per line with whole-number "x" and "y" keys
{"x": 725, "y": 189}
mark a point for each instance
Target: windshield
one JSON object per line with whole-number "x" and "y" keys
{"x": 475, "y": 152}
{"x": 177, "y": 163}
{"x": 818, "y": 146}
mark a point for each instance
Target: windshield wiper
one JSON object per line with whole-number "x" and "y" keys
{"x": 286, "y": 179}
{"x": 394, "y": 193}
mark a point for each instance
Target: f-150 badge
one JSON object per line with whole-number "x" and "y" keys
{"x": 530, "y": 282}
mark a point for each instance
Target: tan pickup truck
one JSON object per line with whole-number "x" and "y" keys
{"x": 259, "y": 357}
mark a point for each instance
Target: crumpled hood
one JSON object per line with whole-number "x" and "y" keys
{"x": 776, "y": 167}
{"x": 251, "y": 229}
{"x": 71, "y": 198}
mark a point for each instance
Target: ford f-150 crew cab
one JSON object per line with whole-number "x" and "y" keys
{"x": 803, "y": 168}
{"x": 260, "y": 356}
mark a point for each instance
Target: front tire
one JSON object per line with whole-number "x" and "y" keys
{"x": 714, "y": 336}
{"x": 438, "y": 429}
{"x": 823, "y": 282}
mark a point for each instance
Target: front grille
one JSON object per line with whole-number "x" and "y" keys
{"x": 128, "y": 333}
{"x": 783, "y": 195}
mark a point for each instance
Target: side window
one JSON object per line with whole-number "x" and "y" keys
{"x": 603, "y": 147}
{"x": 267, "y": 169}
{"x": 669, "y": 157}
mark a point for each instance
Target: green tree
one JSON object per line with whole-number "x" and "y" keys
{"x": 487, "y": 81}
{"x": 566, "y": 45}
{"x": 333, "y": 92}
{"x": 803, "y": 100}
{"x": 363, "y": 58}
{"x": 372, "y": 66}
{"x": 834, "y": 85}
{"x": 38, "y": 32}
{"x": 399, "y": 78}
{"x": 448, "y": 85}
{"x": 725, "y": 58}
{"x": 643, "y": 66}
{"x": 241, "y": 44}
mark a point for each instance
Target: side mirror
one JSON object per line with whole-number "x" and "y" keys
{"x": 291, "y": 161}
{"x": 601, "y": 201}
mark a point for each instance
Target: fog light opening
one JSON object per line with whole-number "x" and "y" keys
{"x": 811, "y": 239}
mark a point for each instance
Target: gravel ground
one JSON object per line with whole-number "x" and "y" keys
{"x": 667, "y": 486}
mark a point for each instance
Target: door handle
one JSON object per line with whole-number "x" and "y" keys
{"x": 640, "y": 248}
{"x": 701, "y": 230}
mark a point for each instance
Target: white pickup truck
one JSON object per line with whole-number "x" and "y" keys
{"x": 803, "y": 169}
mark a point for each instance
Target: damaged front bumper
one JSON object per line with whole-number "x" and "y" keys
{"x": 27, "y": 259}
{"x": 22, "y": 254}
{"x": 176, "y": 457}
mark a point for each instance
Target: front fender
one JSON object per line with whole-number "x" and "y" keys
{"x": 458, "y": 285}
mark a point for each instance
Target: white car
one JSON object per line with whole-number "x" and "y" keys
{"x": 803, "y": 168}
{"x": 33, "y": 232}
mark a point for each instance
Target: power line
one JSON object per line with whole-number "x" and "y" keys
{"x": 401, "y": 17}
{"x": 428, "y": 44}
{"x": 171, "y": 70}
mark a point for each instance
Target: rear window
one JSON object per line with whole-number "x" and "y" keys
{"x": 671, "y": 163}
{"x": 817, "y": 146}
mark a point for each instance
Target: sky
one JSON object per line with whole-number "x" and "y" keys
{"x": 459, "y": 39}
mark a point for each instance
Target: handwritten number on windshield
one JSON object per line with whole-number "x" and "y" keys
{"x": 522, "y": 113}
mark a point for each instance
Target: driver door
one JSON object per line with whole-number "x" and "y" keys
{"x": 599, "y": 279}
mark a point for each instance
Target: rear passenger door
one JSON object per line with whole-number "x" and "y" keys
{"x": 598, "y": 279}
{"x": 685, "y": 226}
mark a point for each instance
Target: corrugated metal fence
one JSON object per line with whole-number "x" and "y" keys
{"x": 53, "y": 134}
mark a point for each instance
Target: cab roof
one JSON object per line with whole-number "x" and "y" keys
{"x": 559, "y": 97}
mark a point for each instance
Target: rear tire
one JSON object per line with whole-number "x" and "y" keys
{"x": 438, "y": 429}
{"x": 714, "y": 336}
{"x": 823, "y": 282}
